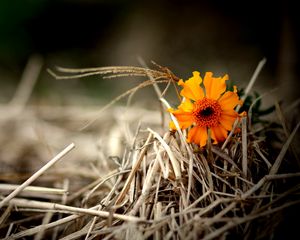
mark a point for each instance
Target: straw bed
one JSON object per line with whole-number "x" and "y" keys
{"x": 159, "y": 187}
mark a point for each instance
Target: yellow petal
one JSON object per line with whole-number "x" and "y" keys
{"x": 234, "y": 89}
{"x": 186, "y": 105}
{"x": 227, "y": 120}
{"x": 243, "y": 114}
{"x": 219, "y": 133}
{"x": 229, "y": 101}
{"x": 183, "y": 114}
{"x": 214, "y": 87}
{"x": 172, "y": 126}
{"x": 198, "y": 135}
{"x": 230, "y": 112}
{"x": 182, "y": 125}
{"x": 185, "y": 119}
{"x": 191, "y": 88}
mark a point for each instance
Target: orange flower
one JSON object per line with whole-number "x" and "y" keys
{"x": 208, "y": 107}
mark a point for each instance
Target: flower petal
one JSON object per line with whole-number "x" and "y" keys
{"x": 183, "y": 114}
{"x": 191, "y": 88}
{"x": 230, "y": 112}
{"x": 186, "y": 105}
{"x": 229, "y": 101}
{"x": 184, "y": 119}
{"x": 214, "y": 87}
{"x": 198, "y": 135}
{"x": 182, "y": 125}
{"x": 219, "y": 133}
{"x": 227, "y": 119}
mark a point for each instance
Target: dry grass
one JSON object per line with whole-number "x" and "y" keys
{"x": 160, "y": 187}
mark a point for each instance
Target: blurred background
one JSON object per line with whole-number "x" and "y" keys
{"x": 220, "y": 36}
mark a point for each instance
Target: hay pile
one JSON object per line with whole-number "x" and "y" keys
{"x": 159, "y": 187}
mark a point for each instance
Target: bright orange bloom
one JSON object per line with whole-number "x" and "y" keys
{"x": 208, "y": 107}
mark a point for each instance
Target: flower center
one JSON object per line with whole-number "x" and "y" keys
{"x": 207, "y": 112}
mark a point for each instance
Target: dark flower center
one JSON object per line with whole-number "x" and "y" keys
{"x": 206, "y": 112}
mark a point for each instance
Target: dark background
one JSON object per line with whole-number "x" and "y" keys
{"x": 220, "y": 36}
